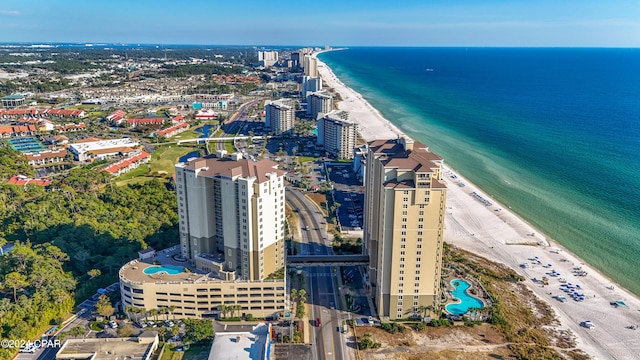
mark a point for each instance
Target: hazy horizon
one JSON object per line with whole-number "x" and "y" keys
{"x": 437, "y": 23}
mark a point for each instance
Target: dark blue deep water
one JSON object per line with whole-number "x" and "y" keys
{"x": 552, "y": 133}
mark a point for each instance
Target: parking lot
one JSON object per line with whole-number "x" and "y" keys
{"x": 349, "y": 193}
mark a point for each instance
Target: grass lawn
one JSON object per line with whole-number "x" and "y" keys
{"x": 197, "y": 352}
{"x": 228, "y": 145}
{"x": 169, "y": 354}
{"x": 86, "y": 107}
{"x": 162, "y": 165}
{"x": 304, "y": 159}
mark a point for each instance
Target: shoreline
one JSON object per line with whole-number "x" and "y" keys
{"x": 499, "y": 234}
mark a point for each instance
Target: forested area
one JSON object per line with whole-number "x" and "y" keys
{"x": 201, "y": 69}
{"x": 71, "y": 239}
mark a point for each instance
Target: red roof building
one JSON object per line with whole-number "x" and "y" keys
{"x": 146, "y": 121}
{"x": 116, "y": 116}
{"x": 71, "y": 127}
{"x": 21, "y": 180}
{"x": 128, "y": 164}
{"x": 17, "y": 130}
{"x": 173, "y": 130}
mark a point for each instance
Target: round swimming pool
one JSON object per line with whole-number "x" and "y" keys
{"x": 466, "y": 301}
{"x": 167, "y": 269}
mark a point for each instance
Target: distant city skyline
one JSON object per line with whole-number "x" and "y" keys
{"x": 589, "y": 23}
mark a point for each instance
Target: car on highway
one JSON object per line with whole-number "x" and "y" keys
{"x": 318, "y": 323}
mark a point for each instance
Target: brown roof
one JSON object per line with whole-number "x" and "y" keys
{"x": 212, "y": 167}
{"x": 419, "y": 159}
{"x": 403, "y": 184}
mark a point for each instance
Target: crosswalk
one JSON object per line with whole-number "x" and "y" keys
{"x": 320, "y": 274}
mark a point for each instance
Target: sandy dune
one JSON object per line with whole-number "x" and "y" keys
{"x": 498, "y": 234}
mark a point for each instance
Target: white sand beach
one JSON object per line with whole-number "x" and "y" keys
{"x": 493, "y": 231}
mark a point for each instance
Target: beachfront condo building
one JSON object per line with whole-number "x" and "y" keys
{"x": 232, "y": 227}
{"x": 234, "y": 207}
{"x": 309, "y": 85}
{"x": 310, "y": 66}
{"x": 280, "y": 116}
{"x": 267, "y": 58}
{"x": 404, "y": 209}
{"x": 337, "y": 134}
{"x": 319, "y": 102}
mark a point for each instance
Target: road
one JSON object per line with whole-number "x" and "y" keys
{"x": 321, "y": 280}
{"x": 235, "y": 123}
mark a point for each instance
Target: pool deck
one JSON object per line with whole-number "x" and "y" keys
{"x": 134, "y": 270}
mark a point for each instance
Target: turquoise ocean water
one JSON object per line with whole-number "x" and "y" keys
{"x": 552, "y": 133}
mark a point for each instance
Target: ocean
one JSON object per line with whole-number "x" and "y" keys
{"x": 552, "y": 133}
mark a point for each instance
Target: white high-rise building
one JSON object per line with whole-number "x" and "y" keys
{"x": 310, "y": 84}
{"x": 280, "y": 115}
{"x": 337, "y": 134}
{"x": 319, "y": 102}
{"x": 267, "y": 58}
{"x": 310, "y": 66}
{"x": 232, "y": 212}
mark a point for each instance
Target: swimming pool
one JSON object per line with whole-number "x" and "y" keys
{"x": 167, "y": 269}
{"x": 466, "y": 301}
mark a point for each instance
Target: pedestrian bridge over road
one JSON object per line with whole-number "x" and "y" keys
{"x": 327, "y": 260}
{"x": 216, "y": 139}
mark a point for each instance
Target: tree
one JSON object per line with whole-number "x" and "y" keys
{"x": 77, "y": 331}
{"x": 126, "y": 330}
{"x": 154, "y": 313}
{"x": 15, "y": 281}
{"x": 172, "y": 308}
{"x": 223, "y": 309}
{"x": 197, "y": 330}
{"x": 104, "y": 307}
{"x": 94, "y": 273}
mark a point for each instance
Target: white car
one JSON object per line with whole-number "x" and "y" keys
{"x": 588, "y": 324}
{"x": 113, "y": 324}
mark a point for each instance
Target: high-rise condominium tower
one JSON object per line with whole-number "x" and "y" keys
{"x": 405, "y": 202}
{"x": 232, "y": 211}
{"x": 280, "y": 115}
{"x": 337, "y": 134}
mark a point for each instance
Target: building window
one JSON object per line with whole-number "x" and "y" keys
{"x": 404, "y": 213}
{"x": 417, "y": 259}
{"x": 405, "y": 199}
{"x": 420, "y": 219}
{"x": 403, "y": 239}
{"x": 404, "y": 219}
{"x": 405, "y": 206}
{"x": 403, "y": 246}
{"x": 401, "y": 259}
{"x": 406, "y": 192}
{"x": 417, "y": 278}
{"x": 419, "y": 226}
{"x": 404, "y": 226}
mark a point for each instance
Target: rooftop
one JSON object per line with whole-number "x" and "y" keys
{"x": 214, "y": 166}
{"x": 108, "y": 349}
{"x": 241, "y": 345}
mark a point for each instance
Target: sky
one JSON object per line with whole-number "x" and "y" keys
{"x": 564, "y": 23}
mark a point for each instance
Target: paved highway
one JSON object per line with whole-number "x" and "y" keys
{"x": 330, "y": 343}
